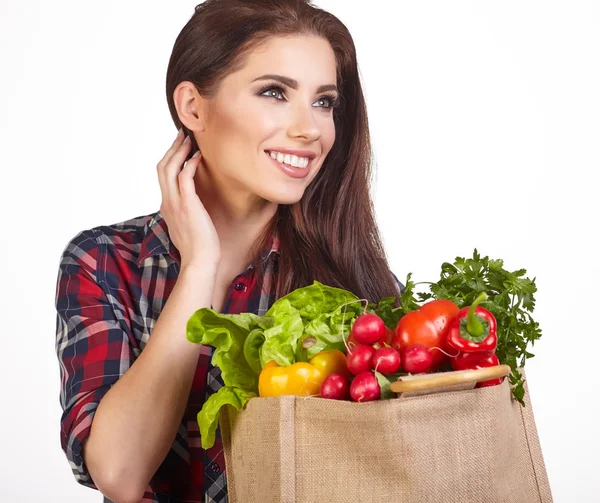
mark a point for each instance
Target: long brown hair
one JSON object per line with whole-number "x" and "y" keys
{"x": 331, "y": 234}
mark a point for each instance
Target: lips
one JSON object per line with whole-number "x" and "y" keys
{"x": 302, "y": 162}
{"x": 293, "y": 151}
{"x": 291, "y": 170}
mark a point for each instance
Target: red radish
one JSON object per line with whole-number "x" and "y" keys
{"x": 364, "y": 387}
{"x": 417, "y": 358}
{"x": 384, "y": 341}
{"x": 386, "y": 360}
{"x": 389, "y": 334}
{"x": 368, "y": 328}
{"x": 360, "y": 359}
{"x": 335, "y": 387}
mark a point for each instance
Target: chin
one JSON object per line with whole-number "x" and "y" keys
{"x": 283, "y": 200}
{"x": 283, "y": 197}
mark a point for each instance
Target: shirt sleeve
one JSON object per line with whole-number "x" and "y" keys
{"x": 400, "y": 285}
{"x": 92, "y": 346}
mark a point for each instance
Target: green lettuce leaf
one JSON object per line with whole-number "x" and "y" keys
{"x": 314, "y": 300}
{"x": 252, "y": 347}
{"x": 330, "y": 330}
{"x": 314, "y": 314}
{"x": 227, "y": 333}
{"x": 281, "y": 340}
{"x": 343, "y": 317}
{"x": 208, "y": 417}
{"x": 309, "y": 301}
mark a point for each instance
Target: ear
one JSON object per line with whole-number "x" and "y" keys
{"x": 191, "y": 107}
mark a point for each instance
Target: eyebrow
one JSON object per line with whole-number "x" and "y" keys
{"x": 294, "y": 83}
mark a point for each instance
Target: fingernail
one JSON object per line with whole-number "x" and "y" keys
{"x": 196, "y": 154}
{"x": 180, "y": 133}
{"x": 187, "y": 139}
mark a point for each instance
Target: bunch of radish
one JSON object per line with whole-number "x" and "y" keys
{"x": 370, "y": 357}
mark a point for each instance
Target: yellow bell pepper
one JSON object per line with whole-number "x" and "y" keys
{"x": 302, "y": 378}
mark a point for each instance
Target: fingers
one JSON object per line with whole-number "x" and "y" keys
{"x": 169, "y": 168}
{"x": 186, "y": 176}
{"x": 173, "y": 168}
{"x": 160, "y": 167}
{"x": 163, "y": 162}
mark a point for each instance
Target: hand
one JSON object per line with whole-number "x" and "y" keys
{"x": 190, "y": 227}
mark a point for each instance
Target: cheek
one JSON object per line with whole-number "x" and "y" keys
{"x": 256, "y": 118}
{"x": 236, "y": 137}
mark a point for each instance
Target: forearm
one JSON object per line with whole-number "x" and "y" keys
{"x": 138, "y": 418}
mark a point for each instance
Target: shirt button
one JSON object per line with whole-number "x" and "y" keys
{"x": 240, "y": 286}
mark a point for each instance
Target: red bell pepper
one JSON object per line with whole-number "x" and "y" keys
{"x": 465, "y": 361}
{"x": 473, "y": 329}
{"x": 473, "y": 334}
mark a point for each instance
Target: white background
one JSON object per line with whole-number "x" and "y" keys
{"x": 485, "y": 118}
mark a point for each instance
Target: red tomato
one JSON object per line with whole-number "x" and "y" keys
{"x": 428, "y": 326}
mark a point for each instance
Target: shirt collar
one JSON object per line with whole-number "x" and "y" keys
{"x": 156, "y": 241}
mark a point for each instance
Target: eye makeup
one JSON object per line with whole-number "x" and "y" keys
{"x": 334, "y": 102}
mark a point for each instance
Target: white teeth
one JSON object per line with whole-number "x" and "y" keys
{"x": 292, "y": 160}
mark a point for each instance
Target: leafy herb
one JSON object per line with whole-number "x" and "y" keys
{"x": 391, "y": 315}
{"x": 510, "y": 299}
{"x": 407, "y": 300}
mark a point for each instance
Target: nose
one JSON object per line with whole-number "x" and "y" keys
{"x": 304, "y": 124}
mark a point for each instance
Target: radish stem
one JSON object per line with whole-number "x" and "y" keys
{"x": 344, "y": 318}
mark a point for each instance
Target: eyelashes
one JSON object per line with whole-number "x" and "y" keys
{"x": 334, "y": 102}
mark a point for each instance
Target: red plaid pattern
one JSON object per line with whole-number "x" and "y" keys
{"x": 113, "y": 282}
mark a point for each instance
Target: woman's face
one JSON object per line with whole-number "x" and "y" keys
{"x": 252, "y": 115}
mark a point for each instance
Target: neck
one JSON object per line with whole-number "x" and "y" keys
{"x": 238, "y": 216}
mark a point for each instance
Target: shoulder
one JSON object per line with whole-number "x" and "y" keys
{"x": 89, "y": 245}
{"x": 129, "y": 232}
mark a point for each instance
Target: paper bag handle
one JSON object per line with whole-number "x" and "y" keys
{"x": 450, "y": 379}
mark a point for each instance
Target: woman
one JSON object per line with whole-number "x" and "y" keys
{"x": 273, "y": 194}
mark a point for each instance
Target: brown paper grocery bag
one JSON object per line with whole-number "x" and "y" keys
{"x": 460, "y": 446}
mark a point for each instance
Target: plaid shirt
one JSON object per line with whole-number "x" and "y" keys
{"x": 113, "y": 282}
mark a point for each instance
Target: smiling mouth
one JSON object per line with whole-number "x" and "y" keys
{"x": 301, "y": 162}
{"x": 292, "y": 171}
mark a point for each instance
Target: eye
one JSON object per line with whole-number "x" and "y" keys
{"x": 273, "y": 91}
{"x": 331, "y": 99}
